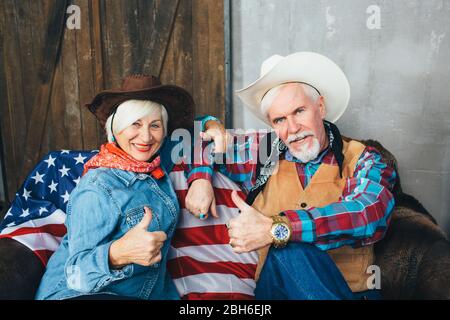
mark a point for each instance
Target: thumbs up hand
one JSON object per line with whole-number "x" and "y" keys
{"x": 138, "y": 245}
{"x": 250, "y": 230}
{"x": 146, "y": 220}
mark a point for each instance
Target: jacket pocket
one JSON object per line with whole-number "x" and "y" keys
{"x": 135, "y": 215}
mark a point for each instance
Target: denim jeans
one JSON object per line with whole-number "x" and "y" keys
{"x": 302, "y": 272}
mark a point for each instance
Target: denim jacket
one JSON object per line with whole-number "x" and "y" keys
{"x": 102, "y": 208}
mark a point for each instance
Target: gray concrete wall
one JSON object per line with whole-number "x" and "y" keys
{"x": 399, "y": 75}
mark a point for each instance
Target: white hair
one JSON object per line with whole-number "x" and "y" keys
{"x": 132, "y": 110}
{"x": 270, "y": 96}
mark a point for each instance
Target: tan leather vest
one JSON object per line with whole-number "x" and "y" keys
{"x": 284, "y": 191}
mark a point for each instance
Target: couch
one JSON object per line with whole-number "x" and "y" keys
{"x": 414, "y": 256}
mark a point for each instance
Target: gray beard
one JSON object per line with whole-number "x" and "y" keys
{"x": 307, "y": 154}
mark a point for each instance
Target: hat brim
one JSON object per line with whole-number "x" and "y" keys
{"x": 177, "y": 101}
{"x": 308, "y": 67}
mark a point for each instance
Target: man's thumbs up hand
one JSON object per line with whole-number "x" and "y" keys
{"x": 250, "y": 230}
{"x": 240, "y": 203}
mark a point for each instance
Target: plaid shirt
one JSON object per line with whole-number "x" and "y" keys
{"x": 361, "y": 215}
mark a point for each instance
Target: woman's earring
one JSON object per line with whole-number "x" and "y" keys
{"x": 113, "y": 139}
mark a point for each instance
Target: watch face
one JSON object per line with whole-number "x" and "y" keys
{"x": 281, "y": 232}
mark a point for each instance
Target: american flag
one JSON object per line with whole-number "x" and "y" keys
{"x": 37, "y": 214}
{"x": 201, "y": 261}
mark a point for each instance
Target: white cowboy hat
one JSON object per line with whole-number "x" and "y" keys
{"x": 307, "y": 67}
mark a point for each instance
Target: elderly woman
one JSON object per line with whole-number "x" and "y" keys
{"x": 123, "y": 213}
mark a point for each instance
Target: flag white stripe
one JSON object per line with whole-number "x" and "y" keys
{"x": 179, "y": 180}
{"x": 223, "y": 182}
{"x": 213, "y": 253}
{"x": 57, "y": 217}
{"x": 214, "y": 283}
{"x": 39, "y": 241}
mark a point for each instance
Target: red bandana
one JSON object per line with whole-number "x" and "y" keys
{"x": 111, "y": 156}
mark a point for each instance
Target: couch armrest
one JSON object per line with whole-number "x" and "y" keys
{"x": 400, "y": 256}
{"x": 20, "y": 271}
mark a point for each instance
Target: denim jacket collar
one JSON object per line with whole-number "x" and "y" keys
{"x": 129, "y": 177}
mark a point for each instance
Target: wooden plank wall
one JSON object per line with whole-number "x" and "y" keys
{"x": 182, "y": 41}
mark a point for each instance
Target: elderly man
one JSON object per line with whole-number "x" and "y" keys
{"x": 327, "y": 201}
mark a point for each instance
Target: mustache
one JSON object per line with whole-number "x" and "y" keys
{"x": 299, "y": 136}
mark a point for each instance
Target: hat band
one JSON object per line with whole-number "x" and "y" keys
{"x": 262, "y": 98}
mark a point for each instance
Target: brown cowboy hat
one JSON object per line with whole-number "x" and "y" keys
{"x": 177, "y": 101}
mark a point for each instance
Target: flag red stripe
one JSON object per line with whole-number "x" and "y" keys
{"x": 58, "y": 230}
{"x": 200, "y": 236}
{"x": 187, "y": 266}
{"x": 217, "y": 296}
{"x": 181, "y": 195}
{"x": 43, "y": 255}
{"x": 179, "y": 167}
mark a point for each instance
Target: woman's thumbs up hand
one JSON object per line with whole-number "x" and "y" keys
{"x": 138, "y": 245}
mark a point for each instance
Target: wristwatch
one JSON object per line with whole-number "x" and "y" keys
{"x": 281, "y": 232}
